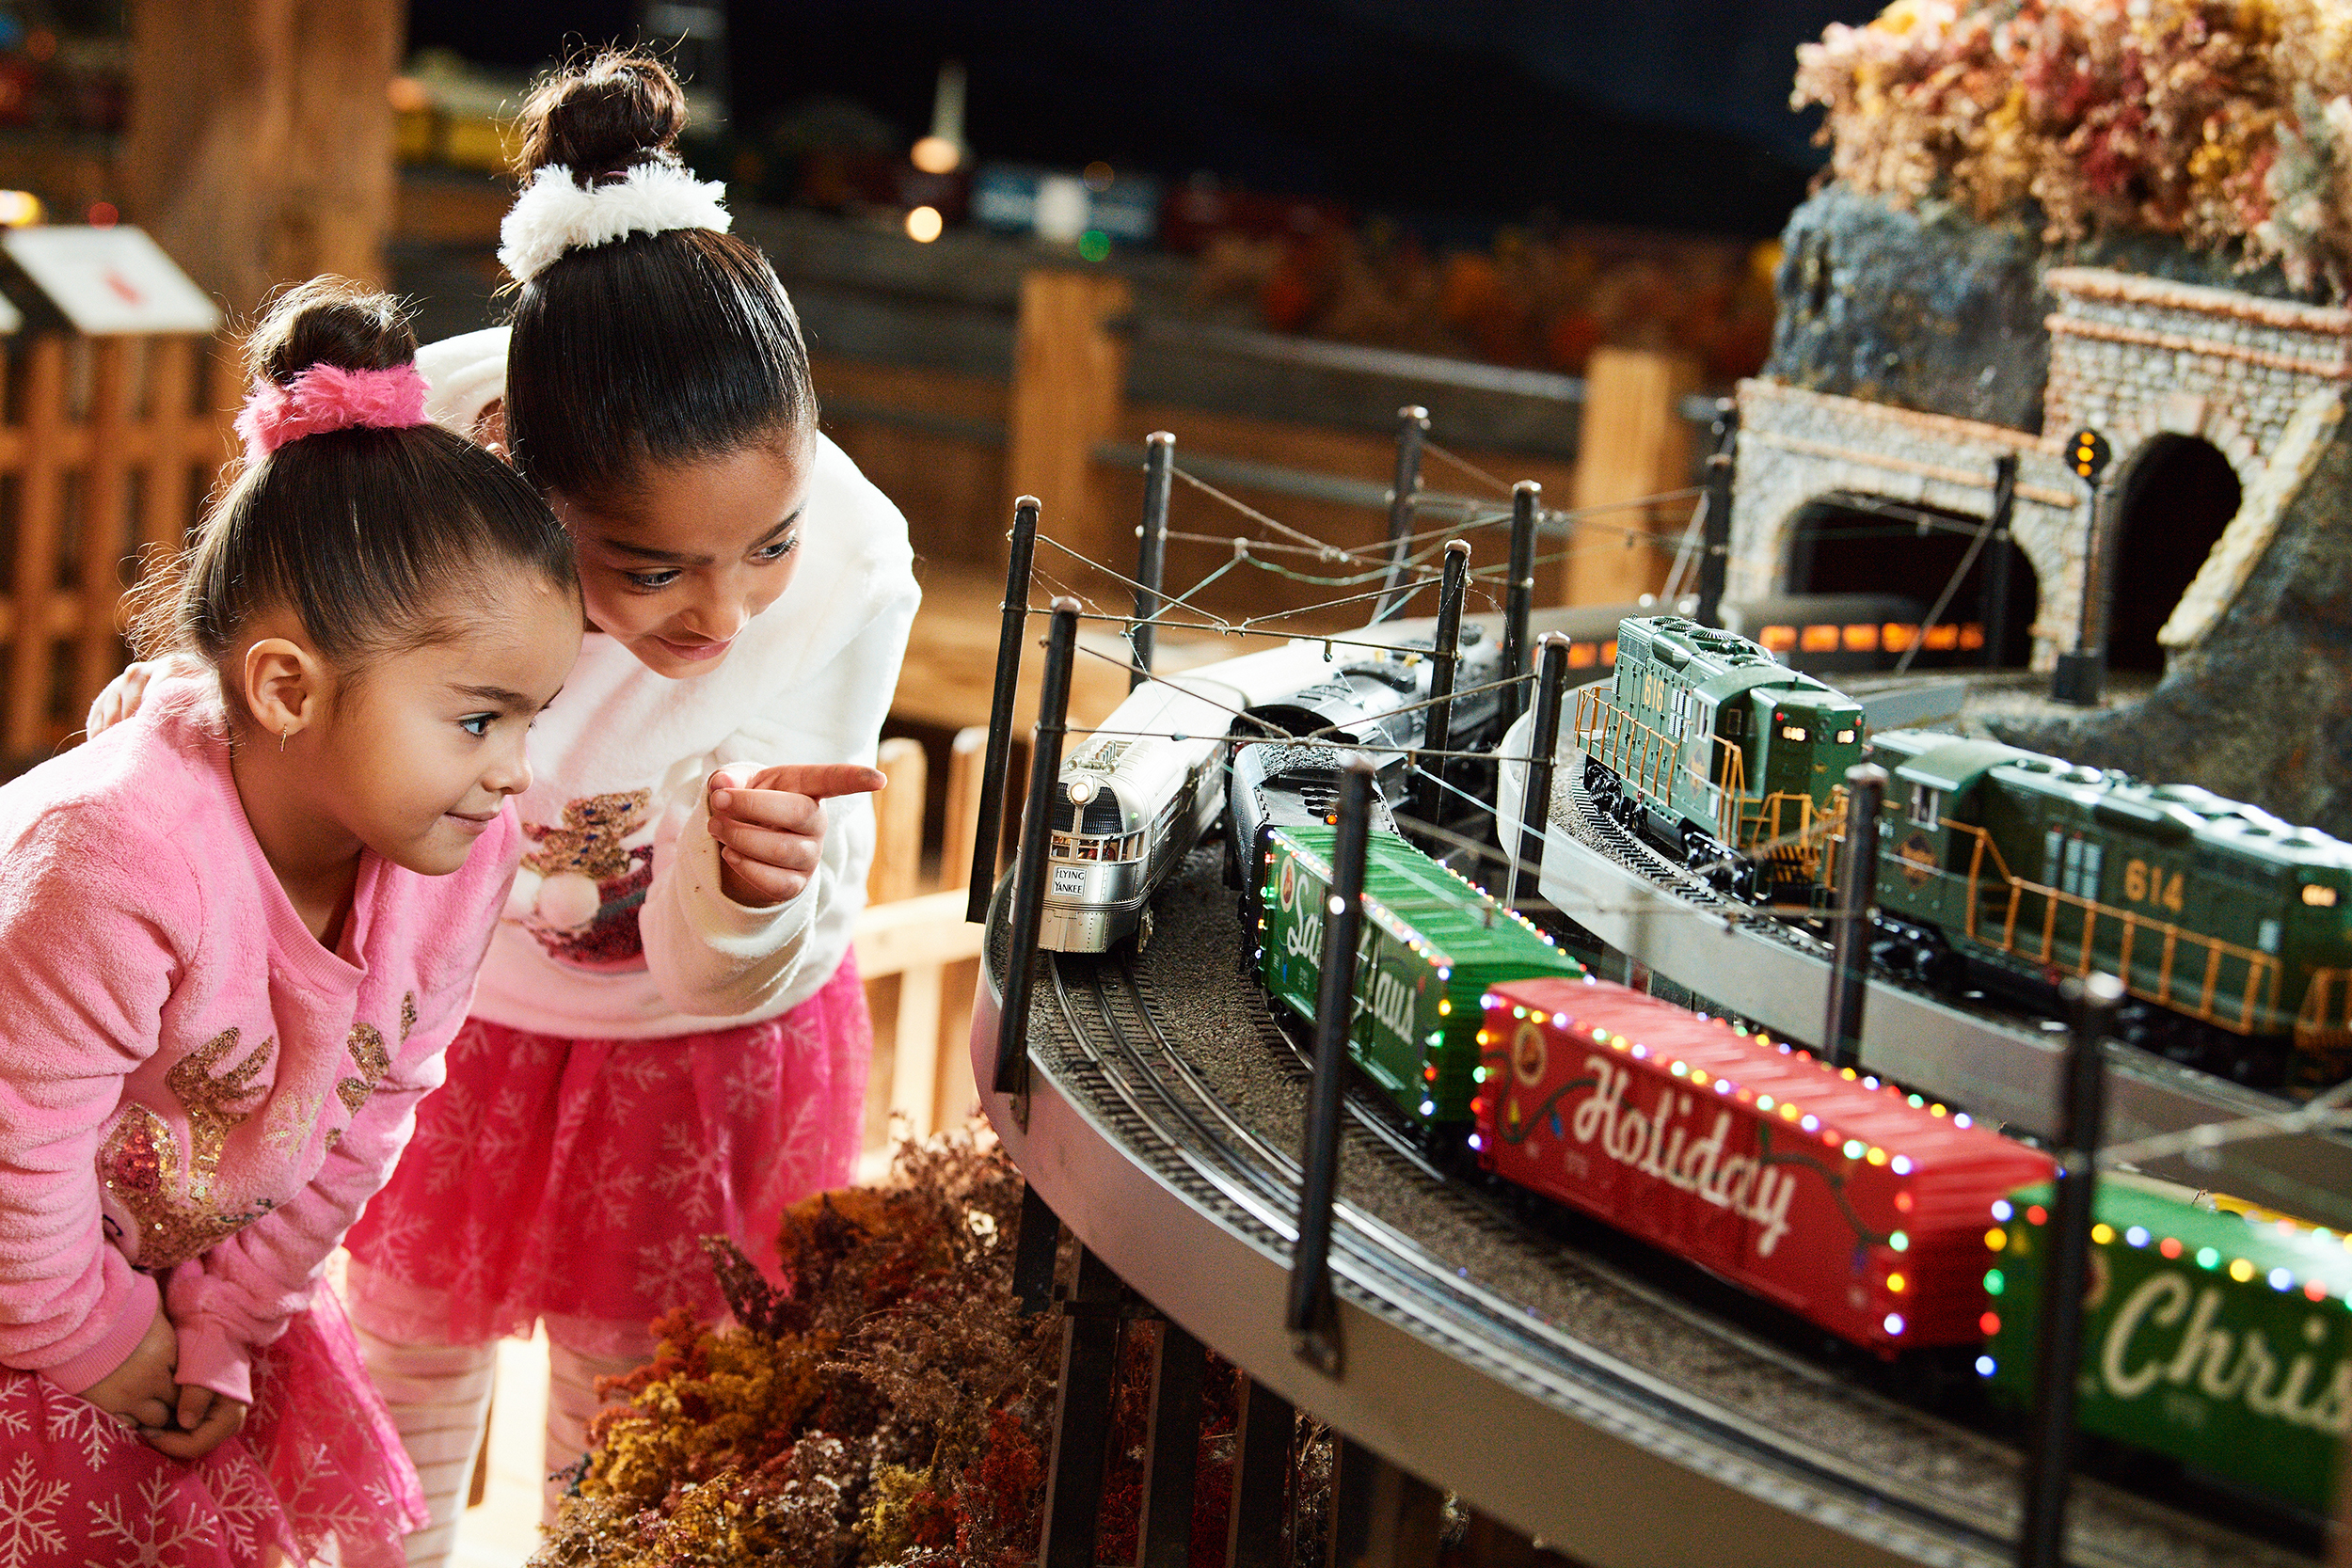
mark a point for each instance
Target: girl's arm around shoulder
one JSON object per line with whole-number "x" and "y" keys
{"x": 99, "y": 920}
{"x": 240, "y": 1294}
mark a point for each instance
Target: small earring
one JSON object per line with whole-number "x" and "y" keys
{"x": 283, "y": 736}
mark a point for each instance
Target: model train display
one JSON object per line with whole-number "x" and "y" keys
{"x": 1997, "y": 868}
{"x": 1857, "y": 1207}
{"x": 1137, "y": 796}
{"x": 1432, "y": 943}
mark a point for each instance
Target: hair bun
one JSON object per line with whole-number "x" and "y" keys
{"x": 623, "y": 108}
{"x": 329, "y": 320}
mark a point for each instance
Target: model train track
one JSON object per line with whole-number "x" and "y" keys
{"x": 2001, "y": 1067}
{"x": 1112, "y": 1049}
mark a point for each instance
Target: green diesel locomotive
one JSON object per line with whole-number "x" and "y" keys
{"x": 1709, "y": 746}
{"x": 2227, "y": 926}
{"x": 1432, "y": 943}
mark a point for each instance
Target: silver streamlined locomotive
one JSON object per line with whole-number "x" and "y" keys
{"x": 1136, "y": 797}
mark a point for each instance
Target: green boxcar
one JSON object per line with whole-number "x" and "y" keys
{"x": 1432, "y": 943}
{"x": 2208, "y": 1337}
{"x": 2218, "y": 911}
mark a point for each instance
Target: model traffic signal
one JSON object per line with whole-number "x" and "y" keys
{"x": 2086, "y": 453}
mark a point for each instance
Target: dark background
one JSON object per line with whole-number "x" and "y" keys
{"x": 1447, "y": 113}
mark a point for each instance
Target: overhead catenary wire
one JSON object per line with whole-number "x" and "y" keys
{"x": 1304, "y": 542}
{"x": 1465, "y": 465}
{"x": 1453, "y": 526}
{"x": 1250, "y": 625}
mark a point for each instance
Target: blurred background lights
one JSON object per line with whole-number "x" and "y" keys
{"x": 924, "y": 225}
{"x": 18, "y": 209}
{"x": 1096, "y": 176}
{"x": 936, "y": 156}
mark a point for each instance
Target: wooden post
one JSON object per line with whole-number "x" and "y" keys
{"x": 259, "y": 147}
{"x": 39, "y": 493}
{"x": 1069, "y": 385}
{"x": 898, "y": 869}
{"x": 905, "y": 1006}
{"x": 82, "y": 460}
{"x": 955, "y": 1096}
{"x": 1634, "y": 443}
{"x": 105, "y": 522}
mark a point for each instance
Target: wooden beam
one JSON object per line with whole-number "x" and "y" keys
{"x": 40, "y": 493}
{"x": 914, "y": 1059}
{"x": 930, "y": 930}
{"x": 258, "y": 147}
{"x": 898, "y": 868}
{"x": 954, "y": 1097}
{"x": 105, "y": 523}
{"x": 1068, "y": 379}
{"x": 1634, "y": 443}
{"x": 965, "y": 754}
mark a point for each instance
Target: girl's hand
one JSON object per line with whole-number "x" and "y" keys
{"x": 122, "y": 696}
{"x": 770, "y": 825}
{"x": 141, "y": 1391}
{"x": 206, "y": 1421}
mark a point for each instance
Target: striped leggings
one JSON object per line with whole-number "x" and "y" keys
{"x": 439, "y": 1399}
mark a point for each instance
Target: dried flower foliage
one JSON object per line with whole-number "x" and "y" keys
{"x": 1538, "y": 296}
{"x": 889, "y": 1408}
{"x": 2223, "y": 122}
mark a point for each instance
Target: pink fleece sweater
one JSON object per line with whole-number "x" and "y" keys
{"x": 192, "y": 1089}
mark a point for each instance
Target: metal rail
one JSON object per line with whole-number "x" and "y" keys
{"x": 1136, "y": 1147}
{"x": 1396, "y": 1276}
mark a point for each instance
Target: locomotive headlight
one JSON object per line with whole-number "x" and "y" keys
{"x": 2319, "y": 897}
{"x": 1081, "y": 791}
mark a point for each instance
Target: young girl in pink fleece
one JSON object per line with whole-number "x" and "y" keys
{"x": 239, "y": 929}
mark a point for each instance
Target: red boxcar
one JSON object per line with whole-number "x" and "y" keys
{"x": 1845, "y": 1200}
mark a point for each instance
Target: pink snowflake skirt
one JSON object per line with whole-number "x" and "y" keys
{"x": 318, "y": 1473}
{"x": 574, "y": 1178}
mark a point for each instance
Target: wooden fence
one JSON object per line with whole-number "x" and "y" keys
{"x": 107, "y": 446}
{"x": 917, "y": 954}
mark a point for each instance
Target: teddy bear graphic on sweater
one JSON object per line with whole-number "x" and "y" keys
{"x": 583, "y": 883}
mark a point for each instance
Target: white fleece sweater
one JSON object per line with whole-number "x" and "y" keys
{"x": 617, "y": 927}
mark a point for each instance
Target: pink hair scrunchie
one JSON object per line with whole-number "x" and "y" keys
{"x": 327, "y": 397}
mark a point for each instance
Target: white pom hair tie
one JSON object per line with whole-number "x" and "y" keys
{"x": 553, "y": 215}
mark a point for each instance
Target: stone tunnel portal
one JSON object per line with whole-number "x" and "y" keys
{"x": 1853, "y": 544}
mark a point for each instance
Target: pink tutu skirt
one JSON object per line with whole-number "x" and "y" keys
{"x": 317, "y": 1471}
{"x": 574, "y": 1178}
